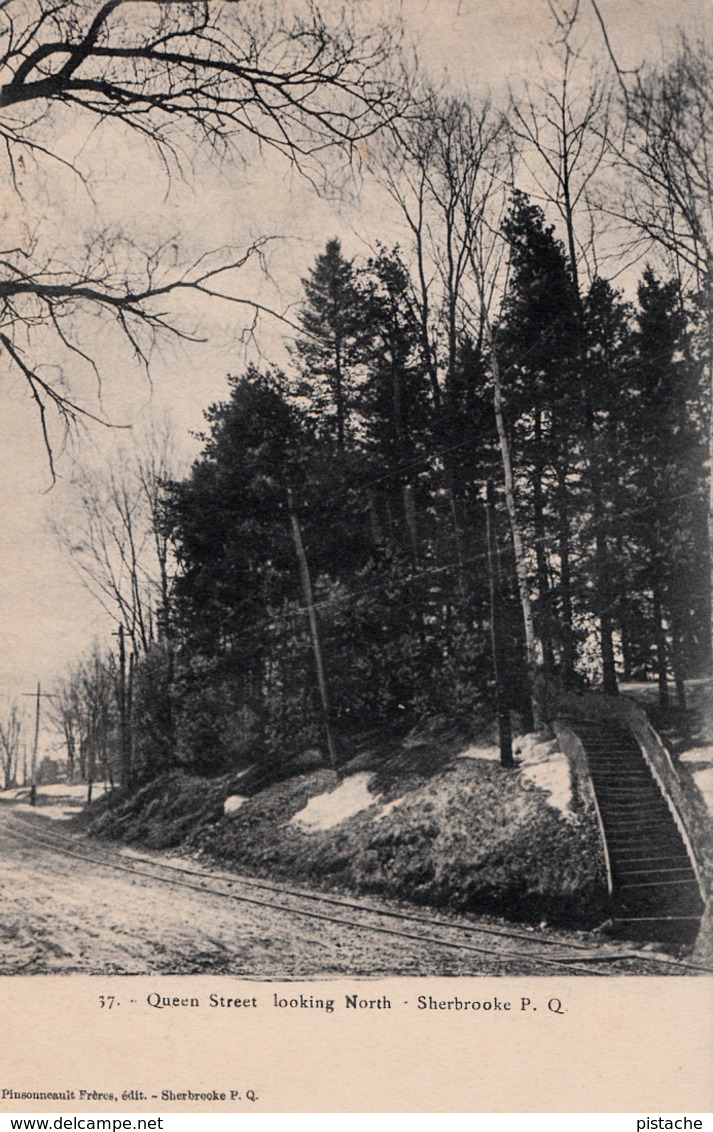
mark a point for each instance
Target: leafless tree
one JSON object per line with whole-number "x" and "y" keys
{"x": 10, "y": 744}
{"x": 437, "y": 166}
{"x": 278, "y": 72}
{"x": 488, "y": 262}
{"x": 225, "y": 75}
{"x": 84, "y": 711}
{"x": 563, "y": 124}
{"x": 663, "y": 155}
{"x": 113, "y": 533}
{"x": 65, "y": 713}
{"x": 449, "y": 169}
{"x": 156, "y": 465}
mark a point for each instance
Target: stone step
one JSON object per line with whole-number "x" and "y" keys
{"x": 655, "y": 890}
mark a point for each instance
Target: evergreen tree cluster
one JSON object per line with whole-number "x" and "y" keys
{"x": 347, "y": 485}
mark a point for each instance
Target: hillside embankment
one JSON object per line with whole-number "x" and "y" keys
{"x": 428, "y": 819}
{"x": 431, "y": 820}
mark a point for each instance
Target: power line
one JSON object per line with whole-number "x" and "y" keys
{"x": 404, "y": 580}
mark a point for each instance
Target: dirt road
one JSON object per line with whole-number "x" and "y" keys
{"x": 61, "y": 913}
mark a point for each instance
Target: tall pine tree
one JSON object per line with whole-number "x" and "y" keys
{"x": 537, "y": 345}
{"x": 331, "y": 351}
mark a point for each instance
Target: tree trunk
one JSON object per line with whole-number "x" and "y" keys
{"x": 660, "y": 638}
{"x": 124, "y": 735}
{"x": 496, "y": 635}
{"x": 609, "y": 681}
{"x": 424, "y": 314}
{"x": 131, "y": 738}
{"x": 314, "y": 631}
{"x": 602, "y": 604}
{"x": 532, "y": 651}
{"x": 543, "y": 580}
{"x": 339, "y": 399}
{"x": 410, "y": 513}
{"x": 678, "y": 655}
{"x": 567, "y": 619}
{"x": 374, "y": 520}
{"x": 70, "y": 758}
{"x": 460, "y": 557}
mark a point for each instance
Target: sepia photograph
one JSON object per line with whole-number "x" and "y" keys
{"x": 357, "y": 508}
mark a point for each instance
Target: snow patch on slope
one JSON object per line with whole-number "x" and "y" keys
{"x": 704, "y": 781}
{"x": 324, "y": 811}
{"x": 702, "y": 771}
{"x": 233, "y": 803}
{"x": 540, "y": 763}
{"x": 552, "y": 775}
{"x": 547, "y": 768}
{"x": 491, "y": 753}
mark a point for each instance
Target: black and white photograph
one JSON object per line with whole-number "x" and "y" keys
{"x": 357, "y": 507}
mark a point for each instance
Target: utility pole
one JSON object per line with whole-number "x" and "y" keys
{"x": 496, "y": 633}
{"x": 124, "y": 736}
{"x": 37, "y": 738}
{"x": 314, "y": 631}
{"x": 130, "y": 740}
{"x": 37, "y": 697}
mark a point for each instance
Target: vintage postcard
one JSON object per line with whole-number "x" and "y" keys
{"x": 356, "y": 693}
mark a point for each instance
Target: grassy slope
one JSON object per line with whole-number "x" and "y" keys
{"x": 467, "y": 835}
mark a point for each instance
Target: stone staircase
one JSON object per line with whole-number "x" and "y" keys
{"x": 655, "y": 891}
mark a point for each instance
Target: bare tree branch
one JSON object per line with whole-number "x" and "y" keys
{"x": 173, "y": 73}
{"x": 224, "y": 69}
{"x": 113, "y": 535}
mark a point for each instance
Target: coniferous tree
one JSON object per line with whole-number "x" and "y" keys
{"x": 537, "y": 344}
{"x": 394, "y": 404}
{"x": 668, "y": 476}
{"x": 230, "y": 525}
{"x": 607, "y": 407}
{"x": 331, "y": 351}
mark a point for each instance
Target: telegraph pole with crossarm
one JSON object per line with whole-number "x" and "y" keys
{"x": 37, "y": 697}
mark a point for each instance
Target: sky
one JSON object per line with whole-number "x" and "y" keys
{"x": 47, "y": 618}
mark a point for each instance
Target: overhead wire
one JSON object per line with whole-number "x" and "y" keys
{"x": 404, "y": 580}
